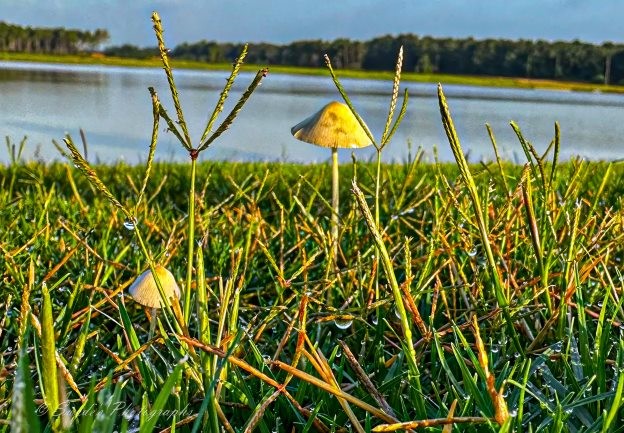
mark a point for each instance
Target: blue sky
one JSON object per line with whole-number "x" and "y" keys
{"x": 281, "y": 21}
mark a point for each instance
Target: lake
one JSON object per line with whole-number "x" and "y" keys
{"x": 112, "y": 105}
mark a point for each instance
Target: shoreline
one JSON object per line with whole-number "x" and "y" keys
{"x": 468, "y": 80}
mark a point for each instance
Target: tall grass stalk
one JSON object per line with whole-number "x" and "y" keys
{"x": 206, "y": 139}
{"x": 407, "y": 343}
{"x": 179, "y": 326}
{"x": 464, "y": 170}
{"x": 389, "y": 130}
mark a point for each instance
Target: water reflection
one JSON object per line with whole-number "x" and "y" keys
{"x": 113, "y": 106}
{"x": 54, "y": 77}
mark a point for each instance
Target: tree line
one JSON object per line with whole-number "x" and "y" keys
{"x": 58, "y": 40}
{"x": 561, "y": 60}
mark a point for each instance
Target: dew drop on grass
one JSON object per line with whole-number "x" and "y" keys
{"x": 129, "y": 224}
{"x": 557, "y": 347}
{"x": 343, "y": 323}
{"x": 472, "y": 252}
{"x": 266, "y": 359}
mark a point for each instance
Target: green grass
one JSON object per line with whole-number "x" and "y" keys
{"x": 265, "y": 242}
{"x": 511, "y": 82}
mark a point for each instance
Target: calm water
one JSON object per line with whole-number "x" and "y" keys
{"x": 113, "y": 107}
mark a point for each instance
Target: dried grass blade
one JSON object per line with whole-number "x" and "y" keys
{"x": 336, "y": 392}
{"x": 365, "y": 380}
{"x": 501, "y": 413}
{"x": 429, "y": 423}
{"x": 449, "y": 427}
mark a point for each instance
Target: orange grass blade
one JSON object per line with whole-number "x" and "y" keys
{"x": 501, "y": 413}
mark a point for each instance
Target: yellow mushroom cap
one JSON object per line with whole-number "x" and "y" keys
{"x": 144, "y": 289}
{"x": 333, "y": 126}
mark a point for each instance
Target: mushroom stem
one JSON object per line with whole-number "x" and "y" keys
{"x": 153, "y": 313}
{"x": 335, "y": 205}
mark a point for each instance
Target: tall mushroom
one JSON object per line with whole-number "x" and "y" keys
{"x": 145, "y": 291}
{"x": 332, "y": 126}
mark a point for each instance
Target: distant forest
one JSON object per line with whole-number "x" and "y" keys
{"x": 573, "y": 61}
{"x": 57, "y": 40}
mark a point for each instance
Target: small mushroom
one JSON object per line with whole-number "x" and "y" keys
{"x": 145, "y": 291}
{"x": 333, "y": 126}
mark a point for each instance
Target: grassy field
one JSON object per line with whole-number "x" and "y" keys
{"x": 279, "y": 339}
{"x": 524, "y": 83}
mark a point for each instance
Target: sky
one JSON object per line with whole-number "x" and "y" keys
{"x": 283, "y": 21}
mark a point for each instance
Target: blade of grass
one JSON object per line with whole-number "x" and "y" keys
{"x": 151, "y": 418}
{"x": 48, "y": 355}
{"x": 24, "y": 417}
